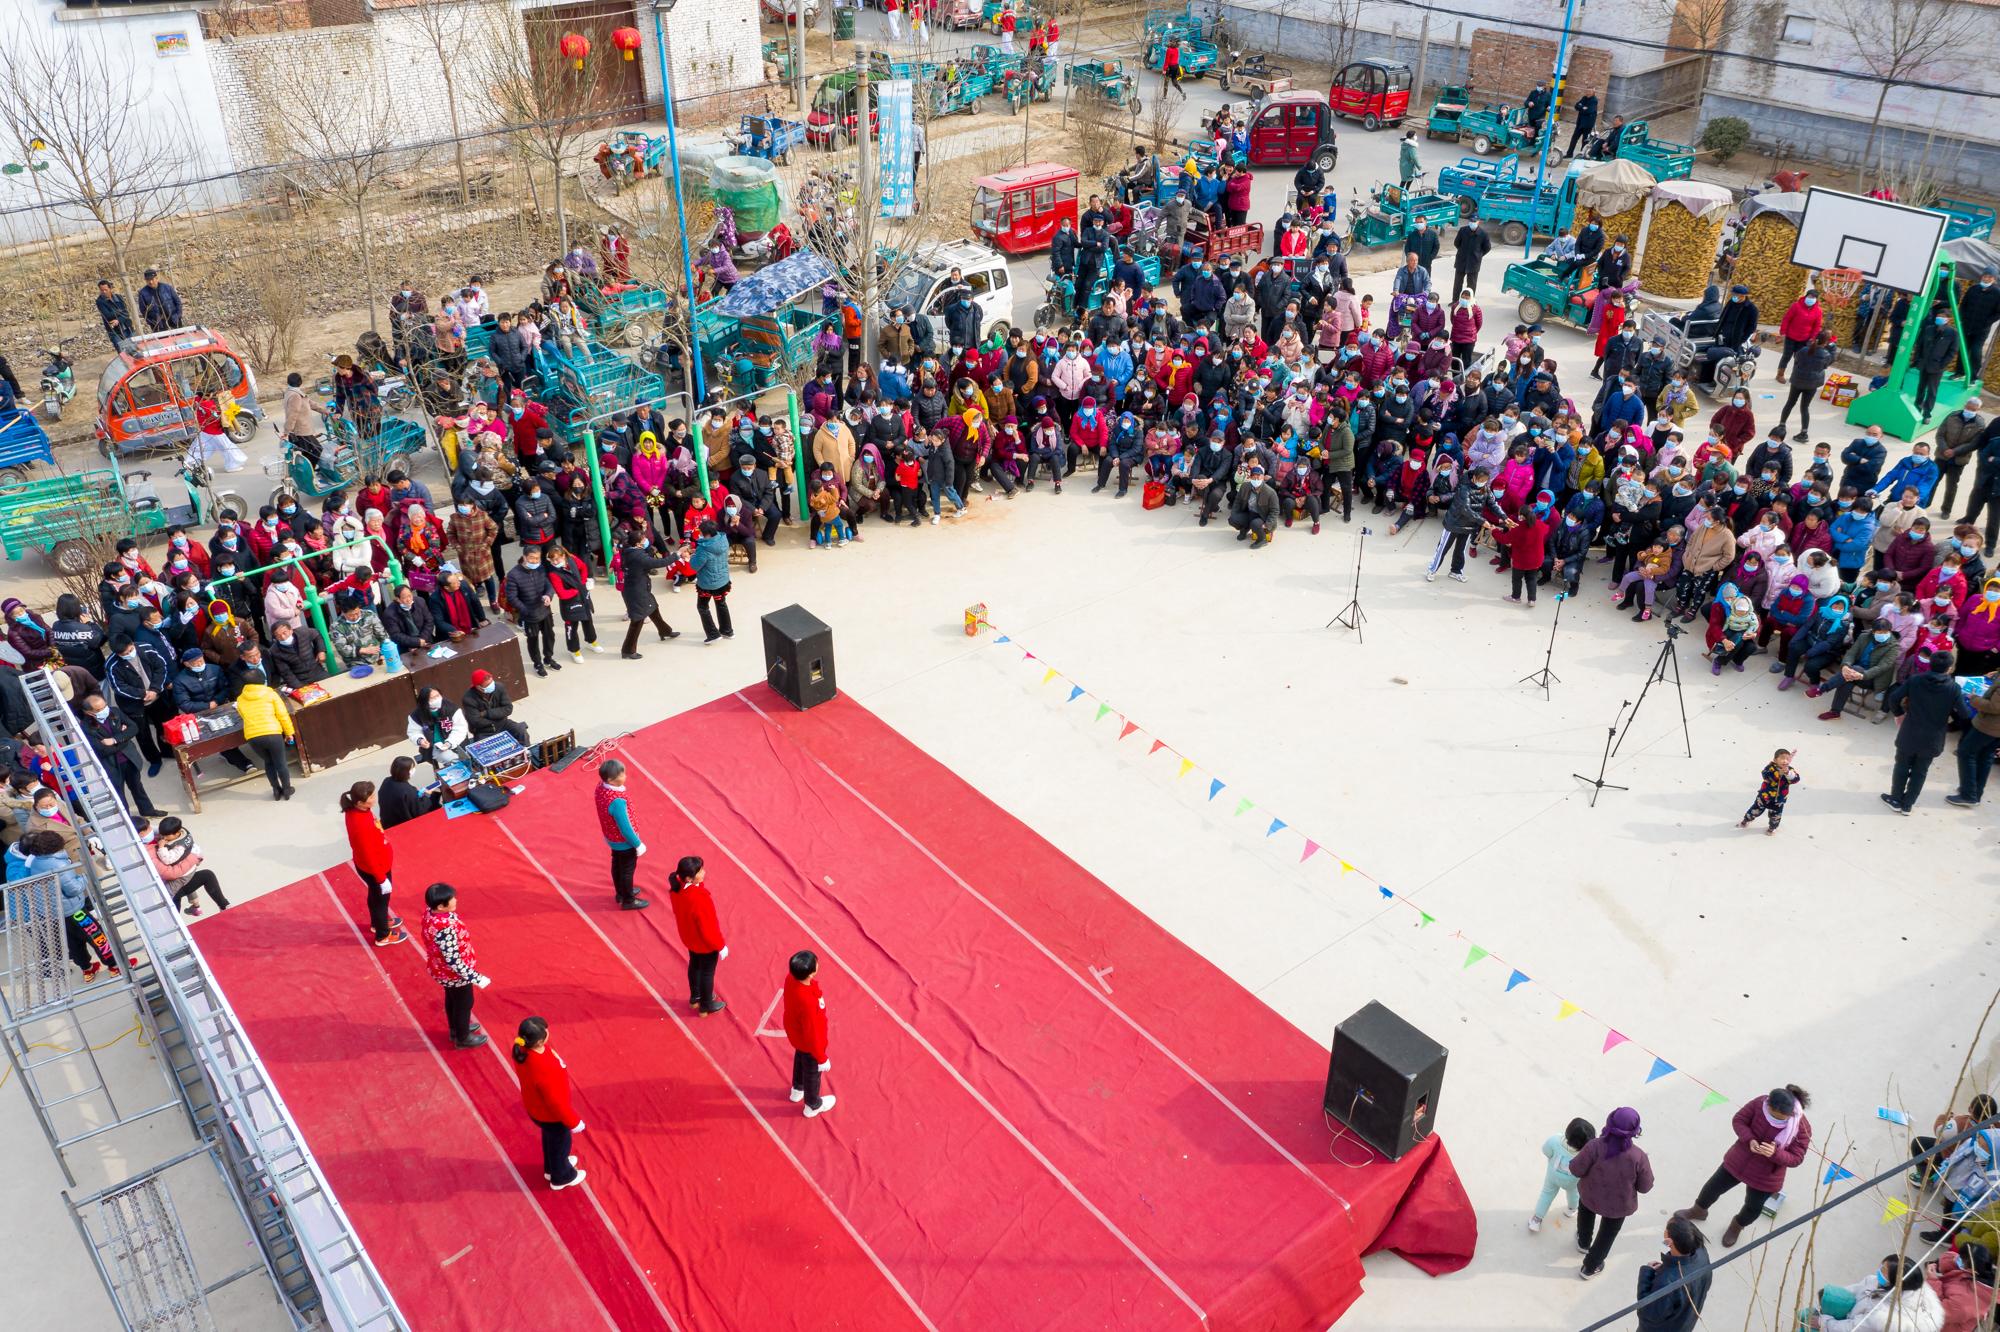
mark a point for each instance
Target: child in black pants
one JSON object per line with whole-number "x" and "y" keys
{"x": 1776, "y": 783}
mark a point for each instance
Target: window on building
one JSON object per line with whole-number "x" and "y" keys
{"x": 1798, "y": 29}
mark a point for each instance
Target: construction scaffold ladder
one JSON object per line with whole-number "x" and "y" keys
{"x": 311, "y": 1247}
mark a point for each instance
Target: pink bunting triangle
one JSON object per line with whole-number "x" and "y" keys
{"x": 1311, "y": 847}
{"x": 1612, "y": 1040}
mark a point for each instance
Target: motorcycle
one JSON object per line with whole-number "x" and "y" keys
{"x": 58, "y": 380}
{"x": 1057, "y": 293}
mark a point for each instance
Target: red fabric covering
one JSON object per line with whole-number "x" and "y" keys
{"x": 1013, "y": 1147}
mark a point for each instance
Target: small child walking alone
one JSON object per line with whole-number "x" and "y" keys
{"x": 1776, "y": 784}
{"x": 1560, "y": 1149}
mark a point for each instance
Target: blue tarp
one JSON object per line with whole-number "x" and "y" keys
{"x": 770, "y": 289}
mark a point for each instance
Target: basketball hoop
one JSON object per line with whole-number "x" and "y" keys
{"x": 1838, "y": 286}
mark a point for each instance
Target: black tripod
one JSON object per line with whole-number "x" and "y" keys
{"x": 1544, "y": 677}
{"x": 1667, "y": 659}
{"x": 1351, "y": 615}
{"x": 1597, "y": 784}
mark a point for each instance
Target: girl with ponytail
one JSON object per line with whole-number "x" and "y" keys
{"x": 701, "y": 932}
{"x": 545, "y": 1096}
{"x": 369, "y": 846}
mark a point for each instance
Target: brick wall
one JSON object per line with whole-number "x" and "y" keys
{"x": 1507, "y": 65}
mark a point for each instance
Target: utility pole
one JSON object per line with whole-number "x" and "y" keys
{"x": 867, "y": 205}
{"x": 1423, "y": 59}
{"x": 1549, "y": 123}
{"x": 796, "y": 41}
{"x": 660, "y": 8}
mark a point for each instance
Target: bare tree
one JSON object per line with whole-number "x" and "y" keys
{"x": 1696, "y": 26}
{"x": 541, "y": 91}
{"x": 115, "y": 153}
{"x": 346, "y": 149}
{"x": 1899, "y": 39}
{"x": 448, "y": 26}
{"x": 1342, "y": 18}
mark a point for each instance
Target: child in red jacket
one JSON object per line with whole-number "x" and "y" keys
{"x": 1527, "y": 544}
{"x": 545, "y": 1096}
{"x": 701, "y": 932}
{"x": 373, "y": 859}
{"x": 805, "y": 1027}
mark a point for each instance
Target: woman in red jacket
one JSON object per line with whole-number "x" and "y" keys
{"x": 372, "y": 859}
{"x": 545, "y": 1096}
{"x": 701, "y": 932}
{"x": 1772, "y": 1136}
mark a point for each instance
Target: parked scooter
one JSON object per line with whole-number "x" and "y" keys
{"x": 58, "y": 380}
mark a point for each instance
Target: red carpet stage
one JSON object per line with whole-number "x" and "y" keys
{"x": 1052, "y": 1115}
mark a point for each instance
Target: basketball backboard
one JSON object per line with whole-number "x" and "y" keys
{"x": 1890, "y": 244}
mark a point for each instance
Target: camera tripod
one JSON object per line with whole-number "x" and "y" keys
{"x": 1598, "y": 786}
{"x": 1351, "y": 615}
{"x": 1668, "y": 659}
{"x": 1545, "y": 677}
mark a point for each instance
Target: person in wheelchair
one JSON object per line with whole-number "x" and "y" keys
{"x": 1135, "y": 184}
{"x": 1735, "y": 327}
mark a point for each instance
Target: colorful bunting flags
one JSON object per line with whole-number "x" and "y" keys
{"x": 1836, "y": 1172}
{"x": 1896, "y": 1209}
{"x": 1659, "y": 1068}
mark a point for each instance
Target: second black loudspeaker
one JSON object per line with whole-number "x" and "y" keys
{"x": 1383, "y": 1080}
{"x": 798, "y": 656}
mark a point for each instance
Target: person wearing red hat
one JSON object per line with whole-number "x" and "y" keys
{"x": 489, "y": 710}
{"x": 805, "y": 1028}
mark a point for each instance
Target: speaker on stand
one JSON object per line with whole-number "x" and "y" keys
{"x": 1383, "y": 1080}
{"x": 798, "y": 657}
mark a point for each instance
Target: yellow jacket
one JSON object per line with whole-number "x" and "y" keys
{"x": 263, "y": 712}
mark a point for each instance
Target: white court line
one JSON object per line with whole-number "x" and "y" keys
{"x": 762, "y": 1123}
{"x": 471, "y": 1110}
{"x": 826, "y": 950}
{"x": 1093, "y": 991}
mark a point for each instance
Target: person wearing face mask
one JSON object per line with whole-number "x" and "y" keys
{"x": 1911, "y": 556}
{"x": 528, "y": 593}
{"x": 489, "y": 710}
{"x": 1734, "y": 423}
{"x": 1864, "y": 459}
{"x": 1254, "y": 514}
{"x": 1735, "y": 325}
{"x": 1894, "y": 1299}
{"x": 1936, "y": 351}
{"x": 1802, "y": 323}
{"x": 1869, "y": 665}
{"x": 1918, "y": 472}
{"x": 41, "y": 853}
{"x": 114, "y": 737}
{"x": 437, "y": 727}
{"x": 1682, "y": 1270}
{"x": 471, "y": 537}
{"x": 357, "y": 634}
{"x": 294, "y": 658}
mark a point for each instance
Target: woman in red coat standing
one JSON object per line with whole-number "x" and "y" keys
{"x": 545, "y": 1096}
{"x": 701, "y": 932}
{"x": 372, "y": 859}
{"x": 1772, "y": 1136}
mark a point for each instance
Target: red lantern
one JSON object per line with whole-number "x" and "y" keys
{"x": 575, "y": 46}
{"x": 626, "y": 40}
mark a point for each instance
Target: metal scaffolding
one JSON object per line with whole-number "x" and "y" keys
{"x": 44, "y": 1003}
{"x": 310, "y": 1246}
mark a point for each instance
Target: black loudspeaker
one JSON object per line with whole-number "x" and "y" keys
{"x": 798, "y": 656}
{"x": 1383, "y": 1080}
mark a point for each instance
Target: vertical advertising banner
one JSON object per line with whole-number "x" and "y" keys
{"x": 896, "y": 111}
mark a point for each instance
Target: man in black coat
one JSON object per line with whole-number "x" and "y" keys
{"x": 112, "y": 735}
{"x": 114, "y": 314}
{"x": 1586, "y": 121}
{"x": 1937, "y": 348}
{"x": 529, "y": 594}
{"x": 489, "y": 710}
{"x": 638, "y": 562}
{"x": 1468, "y": 249}
{"x": 159, "y": 303}
{"x": 1978, "y": 311}
{"x": 1683, "y": 1273}
{"x": 1537, "y": 106}
{"x": 1423, "y": 243}
{"x": 1925, "y": 704}
{"x": 295, "y": 656}
{"x": 408, "y": 621}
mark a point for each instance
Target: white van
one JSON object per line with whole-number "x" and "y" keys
{"x": 983, "y": 269}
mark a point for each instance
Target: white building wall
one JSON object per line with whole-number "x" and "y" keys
{"x": 148, "y": 44}
{"x": 1644, "y": 20}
